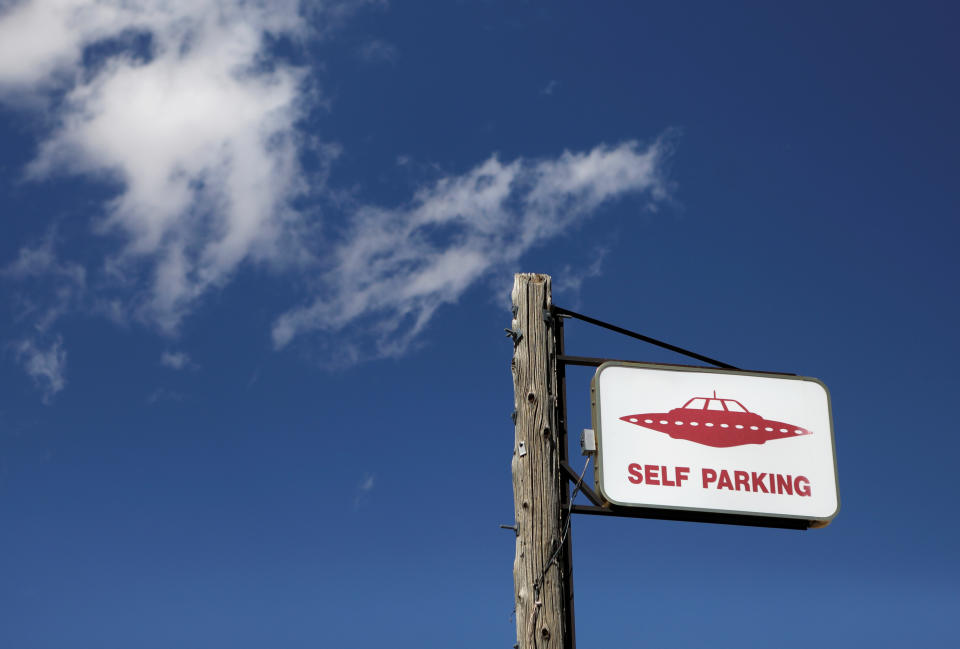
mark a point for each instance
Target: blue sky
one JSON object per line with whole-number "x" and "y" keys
{"x": 255, "y": 268}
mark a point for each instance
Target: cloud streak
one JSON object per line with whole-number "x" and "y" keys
{"x": 176, "y": 360}
{"x": 393, "y": 268}
{"x": 363, "y": 490}
{"x": 377, "y": 51}
{"x": 64, "y": 284}
{"x": 46, "y": 366}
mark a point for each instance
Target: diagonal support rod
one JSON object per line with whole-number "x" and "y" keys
{"x": 573, "y": 477}
{"x": 560, "y": 311}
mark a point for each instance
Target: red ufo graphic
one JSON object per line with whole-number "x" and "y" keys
{"x": 717, "y": 422}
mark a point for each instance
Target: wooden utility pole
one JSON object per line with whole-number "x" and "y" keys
{"x": 541, "y": 601}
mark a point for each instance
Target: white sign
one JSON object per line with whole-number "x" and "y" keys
{"x": 714, "y": 440}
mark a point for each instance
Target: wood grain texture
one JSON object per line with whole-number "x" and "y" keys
{"x": 536, "y": 473}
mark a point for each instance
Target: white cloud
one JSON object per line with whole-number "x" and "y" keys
{"x": 43, "y": 41}
{"x": 200, "y": 131}
{"x": 394, "y": 268}
{"x": 550, "y": 88}
{"x": 46, "y": 366}
{"x": 176, "y": 360}
{"x": 187, "y": 109}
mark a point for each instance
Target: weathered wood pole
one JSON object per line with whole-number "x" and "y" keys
{"x": 538, "y": 585}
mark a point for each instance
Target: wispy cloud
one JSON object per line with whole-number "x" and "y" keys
{"x": 395, "y": 267}
{"x": 550, "y": 88}
{"x": 176, "y": 360}
{"x": 163, "y": 394}
{"x": 45, "y": 365}
{"x": 363, "y": 489}
{"x": 41, "y": 261}
{"x": 571, "y": 279}
{"x": 38, "y": 264}
{"x": 41, "y": 351}
{"x": 377, "y": 51}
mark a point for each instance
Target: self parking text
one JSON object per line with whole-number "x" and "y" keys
{"x": 753, "y": 481}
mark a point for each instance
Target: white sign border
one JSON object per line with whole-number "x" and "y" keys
{"x": 598, "y": 469}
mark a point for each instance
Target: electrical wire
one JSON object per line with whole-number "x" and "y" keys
{"x": 566, "y": 528}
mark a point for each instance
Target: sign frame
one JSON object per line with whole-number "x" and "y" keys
{"x": 678, "y": 512}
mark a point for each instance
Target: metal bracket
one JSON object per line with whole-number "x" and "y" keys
{"x": 573, "y": 476}
{"x": 692, "y": 516}
{"x": 647, "y": 339}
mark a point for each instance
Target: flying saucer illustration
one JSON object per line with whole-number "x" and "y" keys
{"x": 716, "y": 421}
